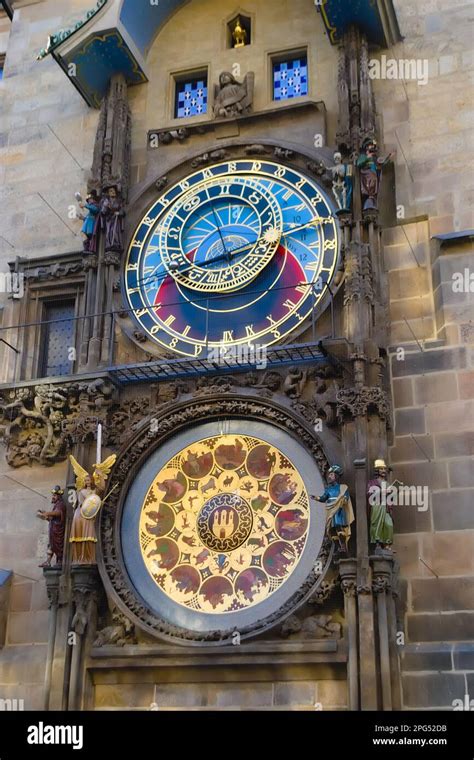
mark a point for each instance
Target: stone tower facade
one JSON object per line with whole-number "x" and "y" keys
{"x": 378, "y": 366}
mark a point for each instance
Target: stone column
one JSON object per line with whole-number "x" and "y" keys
{"x": 85, "y": 588}
{"x": 52, "y": 577}
{"x": 348, "y": 574}
{"x": 90, "y": 267}
{"x": 381, "y": 585}
{"x": 112, "y": 265}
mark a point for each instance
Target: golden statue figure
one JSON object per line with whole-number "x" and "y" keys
{"x": 89, "y": 490}
{"x": 239, "y": 35}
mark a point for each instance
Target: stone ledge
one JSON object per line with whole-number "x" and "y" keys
{"x": 163, "y": 650}
{"x": 181, "y": 131}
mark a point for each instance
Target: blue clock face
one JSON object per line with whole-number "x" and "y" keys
{"x": 236, "y": 253}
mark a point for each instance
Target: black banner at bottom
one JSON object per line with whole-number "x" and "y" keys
{"x": 125, "y": 734}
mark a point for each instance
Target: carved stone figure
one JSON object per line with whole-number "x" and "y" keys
{"x": 284, "y": 153}
{"x": 370, "y": 166}
{"x": 380, "y": 509}
{"x": 256, "y": 149}
{"x": 206, "y": 158}
{"x": 56, "y": 517}
{"x": 294, "y": 382}
{"x": 316, "y": 167}
{"x": 341, "y": 183}
{"x": 313, "y": 627}
{"x": 89, "y": 492}
{"x": 112, "y": 214}
{"x": 120, "y": 633}
{"x": 233, "y": 98}
{"x": 339, "y": 513}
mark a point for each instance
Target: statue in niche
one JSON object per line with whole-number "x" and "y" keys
{"x": 233, "y": 98}
{"x": 90, "y": 226}
{"x": 239, "y": 35}
{"x": 89, "y": 490}
{"x": 371, "y": 166}
{"x": 112, "y": 214}
{"x": 380, "y": 496}
{"x": 339, "y": 512}
{"x": 56, "y": 517}
{"x": 341, "y": 183}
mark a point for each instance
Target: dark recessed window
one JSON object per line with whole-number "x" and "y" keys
{"x": 2, "y": 65}
{"x": 290, "y": 77}
{"x": 58, "y": 339}
{"x": 191, "y": 96}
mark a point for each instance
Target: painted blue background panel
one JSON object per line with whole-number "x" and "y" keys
{"x": 339, "y": 15}
{"x": 100, "y": 57}
{"x": 191, "y": 98}
{"x": 290, "y": 78}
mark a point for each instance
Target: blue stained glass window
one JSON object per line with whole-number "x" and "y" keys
{"x": 191, "y": 98}
{"x": 290, "y": 78}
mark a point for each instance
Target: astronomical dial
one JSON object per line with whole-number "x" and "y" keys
{"x": 218, "y": 530}
{"x": 237, "y": 253}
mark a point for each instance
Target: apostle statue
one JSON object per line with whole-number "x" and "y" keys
{"x": 233, "y": 98}
{"x": 380, "y": 508}
{"x": 371, "y": 166}
{"x": 56, "y": 517}
{"x": 112, "y": 215}
{"x": 90, "y": 226}
{"x": 89, "y": 490}
{"x": 339, "y": 512}
{"x": 341, "y": 183}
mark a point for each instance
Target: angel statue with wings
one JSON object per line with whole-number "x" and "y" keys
{"x": 89, "y": 490}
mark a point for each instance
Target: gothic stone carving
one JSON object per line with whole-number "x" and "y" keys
{"x": 358, "y": 267}
{"x": 111, "y": 161}
{"x": 120, "y": 633}
{"x": 53, "y": 271}
{"x": 323, "y": 592}
{"x": 147, "y": 439}
{"x": 354, "y": 90}
{"x": 207, "y": 158}
{"x": 85, "y": 592}
{"x": 313, "y": 627}
{"x": 40, "y": 423}
{"x": 354, "y": 402}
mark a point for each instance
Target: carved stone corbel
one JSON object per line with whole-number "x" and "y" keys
{"x": 355, "y": 402}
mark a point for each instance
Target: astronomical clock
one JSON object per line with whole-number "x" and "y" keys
{"x": 217, "y": 525}
{"x": 235, "y": 253}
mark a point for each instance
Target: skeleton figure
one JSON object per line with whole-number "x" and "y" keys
{"x": 341, "y": 183}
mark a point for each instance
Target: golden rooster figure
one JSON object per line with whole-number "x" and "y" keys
{"x": 90, "y": 490}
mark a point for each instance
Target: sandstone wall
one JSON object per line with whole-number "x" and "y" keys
{"x": 430, "y": 126}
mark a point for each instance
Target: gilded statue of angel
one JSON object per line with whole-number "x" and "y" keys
{"x": 90, "y": 490}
